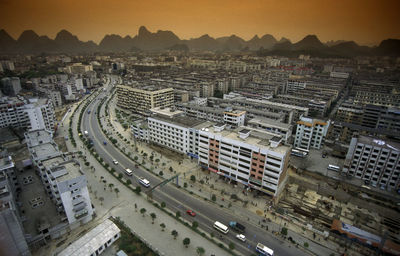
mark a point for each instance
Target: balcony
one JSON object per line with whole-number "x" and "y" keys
{"x": 81, "y": 214}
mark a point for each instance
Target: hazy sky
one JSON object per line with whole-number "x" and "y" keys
{"x": 365, "y": 21}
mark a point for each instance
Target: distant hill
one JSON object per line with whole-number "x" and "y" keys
{"x": 66, "y": 42}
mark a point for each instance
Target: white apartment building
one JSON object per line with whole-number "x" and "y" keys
{"x": 31, "y": 114}
{"x": 374, "y": 160}
{"x": 234, "y": 118}
{"x": 78, "y": 68}
{"x": 63, "y": 179}
{"x": 295, "y": 85}
{"x": 140, "y": 130}
{"x": 177, "y": 133}
{"x": 41, "y": 114}
{"x": 247, "y": 157}
{"x": 310, "y": 133}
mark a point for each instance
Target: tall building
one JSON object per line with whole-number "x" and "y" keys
{"x": 141, "y": 100}
{"x": 63, "y": 179}
{"x": 12, "y": 233}
{"x": 248, "y": 157}
{"x": 310, "y": 133}
{"x": 41, "y": 114}
{"x": 11, "y": 86}
{"x": 374, "y": 160}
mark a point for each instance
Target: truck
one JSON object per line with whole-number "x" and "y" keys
{"x": 237, "y": 226}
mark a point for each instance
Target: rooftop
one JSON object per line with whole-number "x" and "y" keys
{"x": 269, "y": 122}
{"x": 184, "y": 121}
{"x": 38, "y": 137}
{"x": 256, "y": 138}
{"x": 67, "y": 171}
{"x": 92, "y": 240}
{"x": 377, "y": 142}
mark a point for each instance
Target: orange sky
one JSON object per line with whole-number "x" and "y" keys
{"x": 365, "y": 21}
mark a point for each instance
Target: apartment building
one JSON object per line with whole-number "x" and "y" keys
{"x": 11, "y": 86}
{"x": 141, "y": 100}
{"x": 63, "y": 179}
{"x": 12, "y": 233}
{"x": 374, "y": 160}
{"x": 310, "y": 133}
{"x": 78, "y": 68}
{"x": 234, "y": 118}
{"x": 178, "y": 133}
{"x": 41, "y": 114}
{"x": 140, "y": 130}
{"x": 48, "y": 91}
{"x": 280, "y": 129}
{"x": 247, "y": 157}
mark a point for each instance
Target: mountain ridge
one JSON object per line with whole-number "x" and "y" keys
{"x": 145, "y": 40}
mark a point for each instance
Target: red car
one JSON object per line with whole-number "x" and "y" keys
{"x": 191, "y": 213}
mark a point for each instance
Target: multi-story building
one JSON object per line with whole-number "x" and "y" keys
{"x": 141, "y": 100}
{"x": 281, "y": 129}
{"x": 78, "y": 68}
{"x": 63, "y": 179}
{"x": 310, "y": 133}
{"x": 12, "y": 236}
{"x": 49, "y": 92}
{"x": 234, "y": 118}
{"x": 374, "y": 160}
{"x": 176, "y": 132}
{"x": 140, "y": 130}
{"x": 30, "y": 114}
{"x": 248, "y": 157}
{"x": 11, "y": 86}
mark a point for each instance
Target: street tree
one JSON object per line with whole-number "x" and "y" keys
{"x": 101, "y": 199}
{"x": 162, "y": 225}
{"x": 111, "y": 186}
{"x": 174, "y": 233}
{"x": 200, "y": 251}
{"x": 143, "y": 211}
{"x": 153, "y": 216}
{"x": 186, "y": 242}
{"x": 195, "y": 224}
{"x": 116, "y": 190}
{"x": 231, "y": 246}
{"x": 178, "y": 214}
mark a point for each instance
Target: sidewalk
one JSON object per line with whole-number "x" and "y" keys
{"x": 108, "y": 203}
{"x": 254, "y": 212}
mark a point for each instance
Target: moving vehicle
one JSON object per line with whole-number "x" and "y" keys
{"x": 86, "y": 133}
{"x": 105, "y": 142}
{"x": 241, "y": 237}
{"x": 237, "y": 226}
{"x": 128, "y": 171}
{"x": 264, "y": 250}
{"x": 191, "y": 213}
{"x": 333, "y": 168}
{"x": 221, "y": 227}
{"x": 88, "y": 112}
{"x": 144, "y": 182}
{"x": 115, "y": 161}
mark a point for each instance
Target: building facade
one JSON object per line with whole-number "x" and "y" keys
{"x": 374, "y": 160}
{"x": 310, "y": 133}
{"x": 142, "y": 100}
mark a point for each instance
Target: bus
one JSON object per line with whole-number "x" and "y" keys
{"x": 333, "y": 168}
{"x": 298, "y": 153}
{"x": 264, "y": 250}
{"x": 221, "y": 227}
{"x": 144, "y": 182}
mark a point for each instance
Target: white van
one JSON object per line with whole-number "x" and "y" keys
{"x": 128, "y": 171}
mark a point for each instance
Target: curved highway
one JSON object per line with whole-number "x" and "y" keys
{"x": 180, "y": 200}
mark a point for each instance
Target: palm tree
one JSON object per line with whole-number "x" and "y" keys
{"x": 162, "y": 225}
{"x": 101, "y": 199}
{"x": 110, "y": 186}
{"x": 153, "y": 216}
{"x": 174, "y": 233}
{"x": 142, "y": 211}
{"x": 116, "y": 190}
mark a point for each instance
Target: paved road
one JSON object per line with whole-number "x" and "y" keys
{"x": 178, "y": 200}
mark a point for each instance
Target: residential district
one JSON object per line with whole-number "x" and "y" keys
{"x": 183, "y": 153}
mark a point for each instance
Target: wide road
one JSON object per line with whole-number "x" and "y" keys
{"x": 179, "y": 200}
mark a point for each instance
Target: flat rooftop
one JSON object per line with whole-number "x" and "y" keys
{"x": 38, "y": 137}
{"x": 256, "y": 138}
{"x": 92, "y": 240}
{"x": 46, "y": 150}
{"x": 270, "y": 123}
{"x": 180, "y": 120}
{"x": 379, "y": 142}
{"x": 170, "y": 112}
{"x": 66, "y": 171}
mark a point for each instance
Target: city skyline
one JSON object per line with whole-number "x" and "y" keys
{"x": 366, "y": 22}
